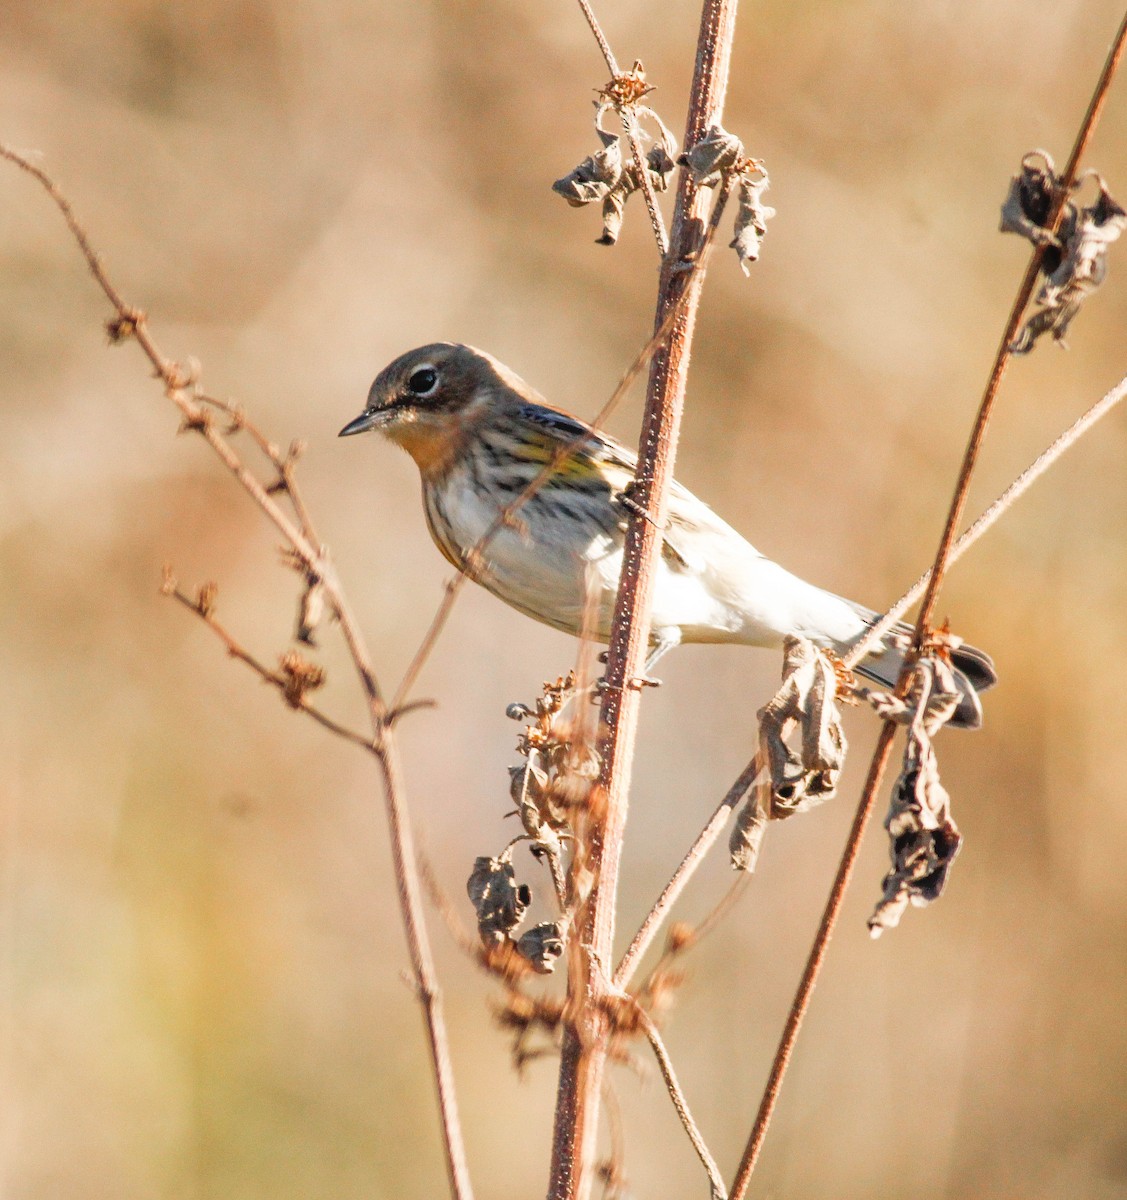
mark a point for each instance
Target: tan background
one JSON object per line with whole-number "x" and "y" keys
{"x": 200, "y": 960}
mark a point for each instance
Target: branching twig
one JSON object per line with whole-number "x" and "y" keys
{"x": 673, "y": 889}
{"x": 180, "y": 388}
{"x": 712, "y": 830}
{"x": 996, "y": 510}
{"x": 295, "y": 699}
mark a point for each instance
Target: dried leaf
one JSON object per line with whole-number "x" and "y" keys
{"x": 1075, "y": 260}
{"x": 542, "y": 946}
{"x": 793, "y": 779}
{"x": 923, "y": 836}
{"x": 595, "y": 176}
{"x": 717, "y": 153}
{"x": 311, "y": 610}
{"x": 499, "y": 901}
{"x": 720, "y": 156}
{"x": 611, "y": 176}
{"x": 751, "y": 220}
{"x": 1029, "y": 202}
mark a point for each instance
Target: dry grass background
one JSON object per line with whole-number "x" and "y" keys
{"x": 199, "y": 952}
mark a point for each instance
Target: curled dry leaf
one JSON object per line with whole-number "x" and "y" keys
{"x": 611, "y": 176}
{"x": 923, "y": 836}
{"x": 751, "y": 220}
{"x": 1075, "y": 260}
{"x": 719, "y": 157}
{"x": 595, "y": 176}
{"x": 311, "y": 610}
{"x": 793, "y": 779}
{"x": 542, "y": 946}
{"x": 499, "y": 901}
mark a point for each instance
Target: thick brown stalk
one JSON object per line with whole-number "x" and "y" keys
{"x": 584, "y": 1050}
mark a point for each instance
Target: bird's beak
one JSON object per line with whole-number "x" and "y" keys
{"x": 368, "y": 419}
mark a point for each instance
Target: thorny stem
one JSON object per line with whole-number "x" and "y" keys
{"x": 583, "y": 1056}
{"x": 883, "y": 749}
{"x": 180, "y": 389}
{"x": 630, "y": 124}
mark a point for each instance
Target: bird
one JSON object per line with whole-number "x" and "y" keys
{"x": 480, "y": 435}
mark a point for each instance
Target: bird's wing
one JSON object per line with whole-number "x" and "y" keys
{"x": 692, "y": 533}
{"x": 696, "y": 536}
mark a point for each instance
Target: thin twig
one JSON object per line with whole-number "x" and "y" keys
{"x": 883, "y": 749}
{"x": 282, "y": 463}
{"x": 998, "y": 508}
{"x": 633, "y": 134}
{"x": 677, "y": 1095}
{"x": 673, "y": 889}
{"x": 179, "y": 384}
{"x": 813, "y": 966}
{"x": 236, "y": 650}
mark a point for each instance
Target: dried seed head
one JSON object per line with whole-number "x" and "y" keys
{"x": 626, "y": 88}
{"x": 299, "y": 676}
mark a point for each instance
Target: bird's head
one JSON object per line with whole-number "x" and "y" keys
{"x": 430, "y": 399}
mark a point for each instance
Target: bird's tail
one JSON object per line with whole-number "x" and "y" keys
{"x": 974, "y": 672}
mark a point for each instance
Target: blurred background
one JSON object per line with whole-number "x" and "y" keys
{"x": 200, "y": 954}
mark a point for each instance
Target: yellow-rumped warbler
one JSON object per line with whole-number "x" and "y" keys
{"x": 479, "y": 435}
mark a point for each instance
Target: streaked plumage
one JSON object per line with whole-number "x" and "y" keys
{"x": 479, "y": 435}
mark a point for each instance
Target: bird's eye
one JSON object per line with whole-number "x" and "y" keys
{"x": 423, "y": 381}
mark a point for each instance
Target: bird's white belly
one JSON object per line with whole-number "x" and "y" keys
{"x": 565, "y": 573}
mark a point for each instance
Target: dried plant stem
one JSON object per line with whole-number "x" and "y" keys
{"x": 673, "y": 889}
{"x": 238, "y": 651}
{"x": 991, "y": 515}
{"x": 813, "y": 966}
{"x": 583, "y": 1056}
{"x": 883, "y": 749}
{"x": 633, "y": 134}
{"x": 179, "y": 386}
{"x": 673, "y": 1086}
{"x": 1004, "y": 354}
{"x": 715, "y": 826}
